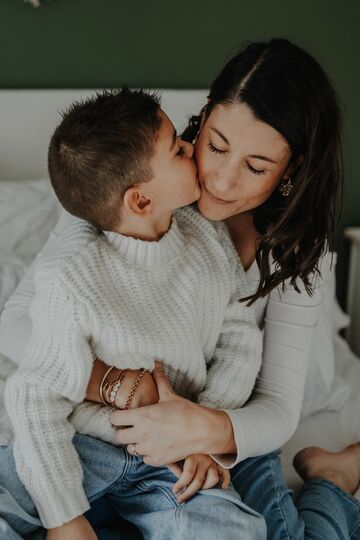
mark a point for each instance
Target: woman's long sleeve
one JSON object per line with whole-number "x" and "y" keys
{"x": 272, "y": 414}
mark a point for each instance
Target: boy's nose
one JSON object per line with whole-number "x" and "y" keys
{"x": 189, "y": 149}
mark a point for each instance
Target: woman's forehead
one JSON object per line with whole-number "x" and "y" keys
{"x": 240, "y": 127}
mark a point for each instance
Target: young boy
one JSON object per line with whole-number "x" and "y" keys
{"x": 149, "y": 281}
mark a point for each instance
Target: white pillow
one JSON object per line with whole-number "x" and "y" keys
{"x": 324, "y": 389}
{"x": 28, "y": 212}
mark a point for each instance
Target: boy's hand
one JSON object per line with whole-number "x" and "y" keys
{"x": 76, "y": 529}
{"x": 145, "y": 394}
{"x": 198, "y": 471}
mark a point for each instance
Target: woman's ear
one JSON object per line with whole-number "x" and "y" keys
{"x": 137, "y": 203}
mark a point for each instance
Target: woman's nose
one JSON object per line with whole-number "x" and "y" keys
{"x": 222, "y": 184}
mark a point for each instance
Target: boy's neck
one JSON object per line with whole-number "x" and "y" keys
{"x": 149, "y": 229}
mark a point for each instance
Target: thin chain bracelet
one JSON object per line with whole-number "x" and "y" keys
{"x": 141, "y": 374}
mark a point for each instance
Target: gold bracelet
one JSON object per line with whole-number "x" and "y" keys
{"x": 101, "y": 389}
{"x": 139, "y": 377}
{"x": 113, "y": 387}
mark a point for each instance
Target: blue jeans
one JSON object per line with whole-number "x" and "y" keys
{"x": 121, "y": 486}
{"x": 321, "y": 511}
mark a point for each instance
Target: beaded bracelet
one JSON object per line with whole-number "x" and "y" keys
{"x": 113, "y": 385}
{"x": 101, "y": 387}
{"x": 111, "y": 388}
{"x": 141, "y": 374}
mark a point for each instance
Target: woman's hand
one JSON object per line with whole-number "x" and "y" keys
{"x": 199, "y": 471}
{"x": 173, "y": 428}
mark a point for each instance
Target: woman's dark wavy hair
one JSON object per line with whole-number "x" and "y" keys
{"x": 285, "y": 87}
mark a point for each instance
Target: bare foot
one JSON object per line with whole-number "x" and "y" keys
{"x": 341, "y": 468}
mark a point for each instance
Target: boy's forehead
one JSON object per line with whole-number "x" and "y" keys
{"x": 167, "y": 130}
{"x": 166, "y": 123}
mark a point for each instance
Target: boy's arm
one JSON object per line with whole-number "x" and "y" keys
{"x": 237, "y": 358}
{"x": 40, "y": 396}
{"x": 236, "y": 361}
{"x": 145, "y": 394}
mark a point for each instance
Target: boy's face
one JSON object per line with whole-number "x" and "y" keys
{"x": 175, "y": 182}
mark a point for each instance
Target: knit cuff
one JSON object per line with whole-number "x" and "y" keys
{"x": 57, "y": 508}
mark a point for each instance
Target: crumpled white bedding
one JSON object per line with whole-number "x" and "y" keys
{"x": 28, "y": 212}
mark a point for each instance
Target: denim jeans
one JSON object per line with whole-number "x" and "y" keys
{"x": 121, "y": 486}
{"x": 321, "y": 511}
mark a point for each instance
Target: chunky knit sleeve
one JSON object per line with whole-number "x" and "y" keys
{"x": 237, "y": 359}
{"x": 40, "y": 396}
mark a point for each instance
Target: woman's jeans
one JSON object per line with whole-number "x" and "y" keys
{"x": 120, "y": 486}
{"x": 321, "y": 511}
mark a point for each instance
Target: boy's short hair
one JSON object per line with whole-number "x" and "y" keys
{"x": 101, "y": 148}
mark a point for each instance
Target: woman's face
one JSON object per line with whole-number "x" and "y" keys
{"x": 240, "y": 161}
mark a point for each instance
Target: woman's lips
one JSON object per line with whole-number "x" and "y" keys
{"x": 212, "y": 197}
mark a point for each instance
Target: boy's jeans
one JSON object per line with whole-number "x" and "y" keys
{"x": 137, "y": 492}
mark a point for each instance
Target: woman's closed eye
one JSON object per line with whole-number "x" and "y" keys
{"x": 254, "y": 171}
{"x": 213, "y": 148}
{"x": 216, "y": 150}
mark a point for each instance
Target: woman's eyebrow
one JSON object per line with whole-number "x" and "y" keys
{"x": 264, "y": 158}
{"x": 220, "y": 134}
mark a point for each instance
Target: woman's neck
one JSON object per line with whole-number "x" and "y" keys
{"x": 245, "y": 236}
{"x": 240, "y": 224}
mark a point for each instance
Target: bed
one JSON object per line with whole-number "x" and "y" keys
{"x": 29, "y": 211}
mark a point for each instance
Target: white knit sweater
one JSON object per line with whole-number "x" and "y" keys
{"x": 129, "y": 302}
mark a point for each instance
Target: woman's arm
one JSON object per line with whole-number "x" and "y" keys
{"x": 266, "y": 422}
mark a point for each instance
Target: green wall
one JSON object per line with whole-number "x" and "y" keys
{"x": 161, "y": 43}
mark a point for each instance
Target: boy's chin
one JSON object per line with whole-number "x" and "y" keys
{"x": 197, "y": 194}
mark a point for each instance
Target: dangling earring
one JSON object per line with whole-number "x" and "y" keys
{"x": 285, "y": 188}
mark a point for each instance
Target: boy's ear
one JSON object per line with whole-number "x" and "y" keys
{"x": 136, "y": 202}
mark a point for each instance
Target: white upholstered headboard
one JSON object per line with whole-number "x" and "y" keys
{"x": 29, "y": 117}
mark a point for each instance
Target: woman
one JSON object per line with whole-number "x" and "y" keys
{"x": 269, "y": 159}
{"x": 268, "y": 153}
